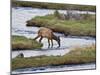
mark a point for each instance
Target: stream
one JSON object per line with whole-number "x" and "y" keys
{"x": 55, "y": 68}
{"x": 19, "y": 17}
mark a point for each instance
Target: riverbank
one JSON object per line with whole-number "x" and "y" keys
{"x": 76, "y": 56}
{"x": 47, "y": 5}
{"x": 84, "y": 27}
{"x": 23, "y": 43}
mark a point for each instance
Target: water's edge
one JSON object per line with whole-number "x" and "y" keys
{"x": 19, "y": 28}
{"x": 88, "y": 66}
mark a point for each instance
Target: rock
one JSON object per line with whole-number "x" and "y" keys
{"x": 21, "y": 55}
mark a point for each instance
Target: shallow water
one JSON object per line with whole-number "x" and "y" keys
{"x": 55, "y": 68}
{"x": 65, "y": 47}
{"x": 22, "y": 14}
{"x": 19, "y": 18}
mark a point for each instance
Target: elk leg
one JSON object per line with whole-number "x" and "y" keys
{"x": 48, "y": 43}
{"x": 52, "y": 43}
{"x": 40, "y": 39}
{"x": 36, "y": 37}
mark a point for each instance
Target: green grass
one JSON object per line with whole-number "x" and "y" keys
{"x": 47, "y": 5}
{"x": 76, "y": 56}
{"x": 21, "y": 42}
{"x": 85, "y": 27}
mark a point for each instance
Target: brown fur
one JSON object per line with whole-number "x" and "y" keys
{"x": 47, "y": 33}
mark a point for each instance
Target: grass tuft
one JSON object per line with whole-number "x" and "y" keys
{"x": 23, "y": 43}
{"x": 84, "y": 27}
{"x": 75, "y": 56}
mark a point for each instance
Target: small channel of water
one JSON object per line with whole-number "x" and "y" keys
{"x": 55, "y": 68}
{"x": 19, "y": 18}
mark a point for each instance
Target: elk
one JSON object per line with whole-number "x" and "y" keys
{"x": 47, "y": 33}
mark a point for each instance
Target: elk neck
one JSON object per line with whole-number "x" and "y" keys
{"x": 54, "y": 37}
